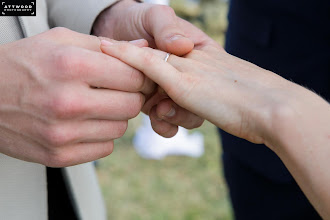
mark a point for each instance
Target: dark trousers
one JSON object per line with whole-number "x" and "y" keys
{"x": 60, "y": 201}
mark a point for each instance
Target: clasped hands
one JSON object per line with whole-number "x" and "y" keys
{"x": 63, "y": 101}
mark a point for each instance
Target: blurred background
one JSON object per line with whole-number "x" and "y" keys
{"x": 176, "y": 187}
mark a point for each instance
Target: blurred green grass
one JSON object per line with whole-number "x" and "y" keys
{"x": 173, "y": 188}
{"x": 208, "y": 15}
{"x": 176, "y": 188}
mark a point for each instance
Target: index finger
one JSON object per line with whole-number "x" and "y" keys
{"x": 99, "y": 70}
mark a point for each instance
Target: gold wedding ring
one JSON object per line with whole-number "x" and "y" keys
{"x": 167, "y": 56}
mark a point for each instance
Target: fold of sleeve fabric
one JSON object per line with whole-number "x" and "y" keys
{"x": 76, "y": 15}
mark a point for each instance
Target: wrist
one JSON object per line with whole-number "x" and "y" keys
{"x": 105, "y": 23}
{"x": 273, "y": 111}
{"x": 290, "y": 113}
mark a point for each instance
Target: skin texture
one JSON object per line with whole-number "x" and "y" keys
{"x": 66, "y": 102}
{"x": 248, "y": 102}
{"x": 163, "y": 30}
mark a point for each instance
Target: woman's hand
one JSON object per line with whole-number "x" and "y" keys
{"x": 159, "y": 25}
{"x": 248, "y": 102}
{"x": 233, "y": 94}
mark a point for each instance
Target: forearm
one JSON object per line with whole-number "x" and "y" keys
{"x": 300, "y": 135}
{"x": 291, "y": 120}
{"x": 248, "y": 102}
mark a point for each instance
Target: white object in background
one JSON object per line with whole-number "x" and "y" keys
{"x": 148, "y": 144}
{"x": 160, "y": 2}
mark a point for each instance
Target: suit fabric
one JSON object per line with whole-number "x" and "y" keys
{"x": 23, "y": 185}
{"x": 292, "y": 39}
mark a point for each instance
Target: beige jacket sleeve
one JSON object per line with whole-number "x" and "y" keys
{"x": 77, "y": 15}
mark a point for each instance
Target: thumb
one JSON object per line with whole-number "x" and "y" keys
{"x": 163, "y": 24}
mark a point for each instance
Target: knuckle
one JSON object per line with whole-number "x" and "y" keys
{"x": 60, "y": 32}
{"x": 62, "y": 60}
{"x": 108, "y": 148}
{"x": 167, "y": 131}
{"x": 57, "y": 158}
{"x": 191, "y": 124}
{"x": 198, "y": 123}
{"x": 211, "y": 47}
{"x": 181, "y": 121}
{"x": 163, "y": 9}
{"x": 136, "y": 105}
{"x": 121, "y": 129}
{"x": 137, "y": 79}
{"x": 149, "y": 58}
{"x": 64, "y": 105}
{"x": 124, "y": 48}
{"x": 68, "y": 62}
{"x": 195, "y": 54}
{"x": 56, "y": 136}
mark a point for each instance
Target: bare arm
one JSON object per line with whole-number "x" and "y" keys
{"x": 249, "y": 102}
{"x": 301, "y": 138}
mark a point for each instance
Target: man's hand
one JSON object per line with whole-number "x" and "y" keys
{"x": 129, "y": 20}
{"x": 62, "y": 102}
{"x": 158, "y": 24}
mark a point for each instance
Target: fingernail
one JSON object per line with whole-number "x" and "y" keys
{"x": 136, "y": 41}
{"x": 106, "y": 43}
{"x": 171, "y": 113}
{"x": 176, "y": 37}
